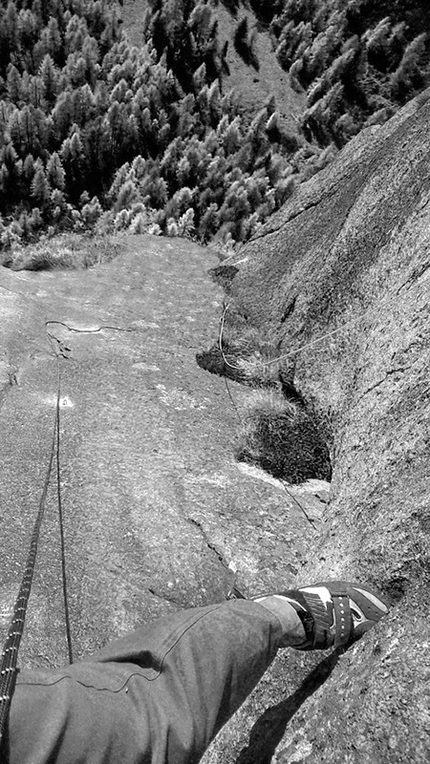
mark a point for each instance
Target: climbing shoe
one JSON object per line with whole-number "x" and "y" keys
{"x": 335, "y": 613}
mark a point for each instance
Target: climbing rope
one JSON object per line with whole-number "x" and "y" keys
{"x": 8, "y": 665}
{"x": 9, "y": 658}
{"x": 262, "y": 364}
{"x": 62, "y": 539}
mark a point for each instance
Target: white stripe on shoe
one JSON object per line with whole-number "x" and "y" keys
{"x": 373, "y": 599}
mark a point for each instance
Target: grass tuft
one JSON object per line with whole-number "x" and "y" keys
{"x": 281, "y": 437}
{"x": 66, "y": 251}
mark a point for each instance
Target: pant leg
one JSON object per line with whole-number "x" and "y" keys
{"x": 157, "y": 695}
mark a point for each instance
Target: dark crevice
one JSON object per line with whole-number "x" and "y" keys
{"x": 288, "y": 447}
{"x": 289, "y": 309}
{"x": 291, "y": 393}
{"x": 280, "y": 431}
{"x": 206, "y": 540}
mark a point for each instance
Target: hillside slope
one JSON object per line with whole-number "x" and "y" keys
{"x": 253, "y": 87}
{"x": 341, "y": 273}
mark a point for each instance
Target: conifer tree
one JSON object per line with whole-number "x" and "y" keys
{"x": 377, "y": 44}
{"x": 52, "y": 41}
{"x": 91, "y": 212}
{"x": 231, "y": 136}
{"x": 13, "y": 84}
{"x": 55, "y": 172}
{"x": 28, "y": 167}
{"x": 49, "y": 76}
{"x": 408, "y": 75}
{"x": 40, "y": 189}
{"x": 63, "y": 114}
{"x": 199, "y": 78}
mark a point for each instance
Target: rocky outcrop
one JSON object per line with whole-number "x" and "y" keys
{"x": 342, "y": 274}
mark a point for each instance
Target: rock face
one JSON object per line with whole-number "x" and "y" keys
{"x": 156, "y": 507}
{"x": 342, "y": 274}
{"x": 157, "y": 512}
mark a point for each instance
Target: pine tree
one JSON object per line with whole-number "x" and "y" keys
{"x": 127, "y": 196}
{"x": 83, "y": 105}
{"x": 377, "y": 44}
{"x": 200, "y": 20}
{"x": 91, "y": 212}
{"x": 181, "y": 201}
{"x": 10, "y": 25}
{"x": 186, "y": 224}
{"x": 408, "y": 75}
{"x": 35, "y": 92}
{"x": 36, "y": 219}
{"x": 29, "y": 27}
{"x": 49, "y": 76}
{"x": 51, "y": 38}
{"x": 28, "y": 167}
{"x": 199, "y": 78}
{"x": 55, "y": 172}
{"x": 63, "y": 114}
{"x": 209, "y": 222}
{"x": 10, "y": 169}
{"x": 13, "y": 84}
{"x": 90, "y": 54}
{"x": 214, "y": 102}
{"x": 231, "y": 137}
{"x": 73, "y": 158}
{"x": 40, "y": 189}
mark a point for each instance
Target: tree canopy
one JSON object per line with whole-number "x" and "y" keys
{"x": 95, "y": 131}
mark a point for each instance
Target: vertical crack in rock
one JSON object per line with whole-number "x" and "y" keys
{"x": 208, "y": 543}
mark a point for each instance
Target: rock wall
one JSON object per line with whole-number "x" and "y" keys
{"x": 342, "y": 274}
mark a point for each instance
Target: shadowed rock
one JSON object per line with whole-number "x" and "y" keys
{"x": 350, "y": 252}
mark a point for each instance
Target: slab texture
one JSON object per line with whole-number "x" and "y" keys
{"x": 158, "y": 515}
{"x": 342, "y": 273}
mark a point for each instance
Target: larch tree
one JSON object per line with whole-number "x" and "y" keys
{"x": 40, "y": 189}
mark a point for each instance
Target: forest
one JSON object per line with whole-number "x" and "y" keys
{"x": 97, "y": 134}
{"x": 357, "y": 61}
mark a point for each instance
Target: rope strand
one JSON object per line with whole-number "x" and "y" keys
{"x": 9, "y": 658}
{"x": 286, "y": 355}
{"x": 62, "y": 540}
{"x": 8, "y": 666}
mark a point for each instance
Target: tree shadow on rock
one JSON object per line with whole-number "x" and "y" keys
{"x": 270, "y": 728}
